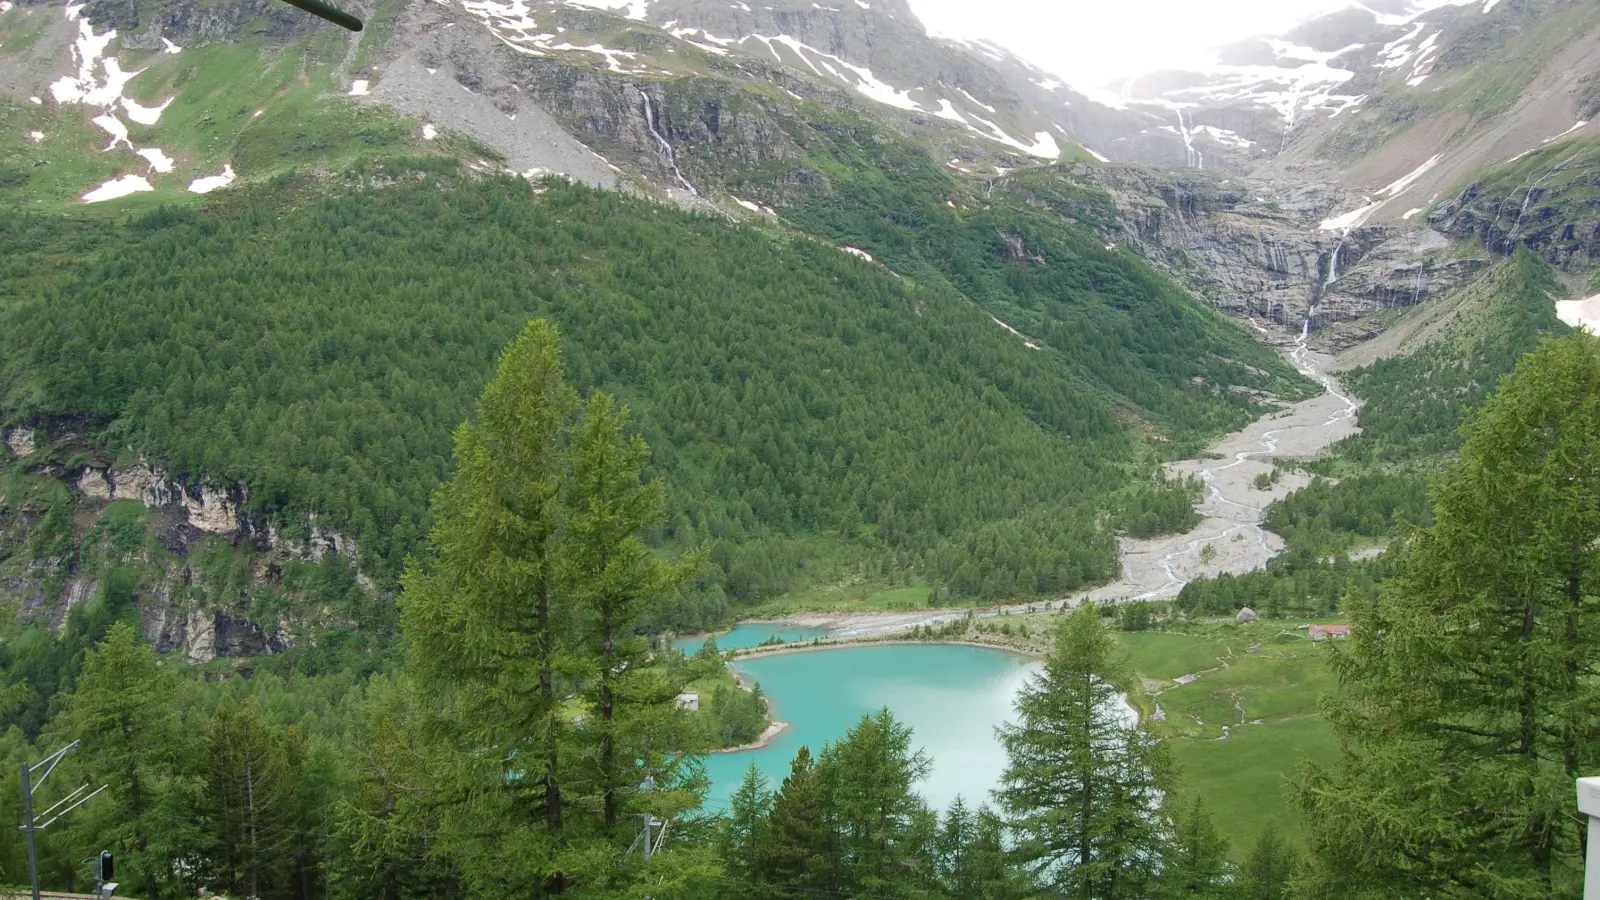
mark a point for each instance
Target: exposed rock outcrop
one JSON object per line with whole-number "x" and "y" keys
{"x": 1258, "y": 249}
{"x": 1552, "y": 209}
{"x": 19, "y": 441}
{"x": 208, "y": 508}
{"x": 196, "y": 565}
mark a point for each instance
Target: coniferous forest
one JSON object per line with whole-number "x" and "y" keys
{"x": 550, "y": 424}
{"x": 805, "y": 408}
{"x": 529, "y": 730}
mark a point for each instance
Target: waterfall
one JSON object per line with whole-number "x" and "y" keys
{"x": 666, "y": 147}
{"x": 1528, "y": 199}
{"x": 1191, "y": 156}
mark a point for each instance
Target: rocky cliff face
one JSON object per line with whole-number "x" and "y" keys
{"x": 1548, "y": 202}
{"x": 209, "y": 578}
{"x": 1258, "y": 249}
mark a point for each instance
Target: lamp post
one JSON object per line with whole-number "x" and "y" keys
{"x": 1589, "y": 805}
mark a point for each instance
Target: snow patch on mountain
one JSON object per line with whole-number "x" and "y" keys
{"x": 145, "y": 115}
{"x": 1557, "y": 137}
{"x": 113, "y": 126}
{"x": 1399, "y": 185}
{"x": 1584, "y": 314}
{"x": 633, "y": 9}
{"x": 1426, "y": 56}
{"x": 986, "y": 107}
{"x": 118, "y": 187}
{"x": 1224, "y": 136}
{"x": 513, "y": 24}
{"x": 212, "y": 182}
{"x": 98, "y": 82}
{"x": 1351, "y": 219}
{"x": 159, "y": 161}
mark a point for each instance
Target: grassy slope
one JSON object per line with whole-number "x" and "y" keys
{"x": 262, "y": 107}
{"x": 1245, "y": 778}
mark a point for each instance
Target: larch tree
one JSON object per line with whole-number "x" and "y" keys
{"x": 1083, "y": 785}
{"x": 1197, "y": 860}
{"x": 970, "y": 858}
{"x": 250, "y": 802}
{"x": 744, "y": 830}
{"x": 1270, "y": 868}
{"x": 488, "y": 633}
{"x": 523, "y": 634}
{"x": 1468, "y": 701}
{"x": 124, "y": 711}
{"x": 635, "y": 730}
{"x": 883, "y": 827}
{"x": 800, "y": 855}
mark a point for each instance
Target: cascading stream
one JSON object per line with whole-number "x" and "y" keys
{"x": 1527, "y": 200}
{"x": 1301, "y": 355}
{"x": 664, "y": 144}
{"x": 1191, "y": 156}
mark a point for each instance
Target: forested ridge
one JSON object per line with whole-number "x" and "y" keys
{"x": 806, "y": 407}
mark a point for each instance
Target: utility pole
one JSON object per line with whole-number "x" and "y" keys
{"x": 30, "y": 822}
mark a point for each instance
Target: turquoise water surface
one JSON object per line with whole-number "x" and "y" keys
{"x": 750, "y": 634}
{"x": 953, "y": 697}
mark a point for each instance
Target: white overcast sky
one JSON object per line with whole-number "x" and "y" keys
{"x": 1091, "y": 42}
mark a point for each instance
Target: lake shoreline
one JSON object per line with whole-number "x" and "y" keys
{"x": 760, "y": 743}
{"x": 786, "y": 650}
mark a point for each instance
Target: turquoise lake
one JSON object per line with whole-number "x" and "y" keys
{"x": 953, "y": 697}
{"x": 752, "y": 634}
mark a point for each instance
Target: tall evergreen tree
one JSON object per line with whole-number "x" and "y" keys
{"x": 1271, "y": 867}
{"x": 1083, "y": 784}
{"x": 561, "y": 730}
{"x": 611, "y": 578}
{"x": 970, "y": 859}
{"x": 799, "y": 857}
{"x": 883, "y": 826}
{"x": 486, "y": 628}
{"x": 249, "y": 803}
{"x": 1468, "y": 702}
{"x": 745, "y": 829}
{"x": 124, "y": 711}
{"x": 1197, "y": 860}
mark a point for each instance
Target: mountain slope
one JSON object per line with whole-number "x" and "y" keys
{"x": 812, "y": 410}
